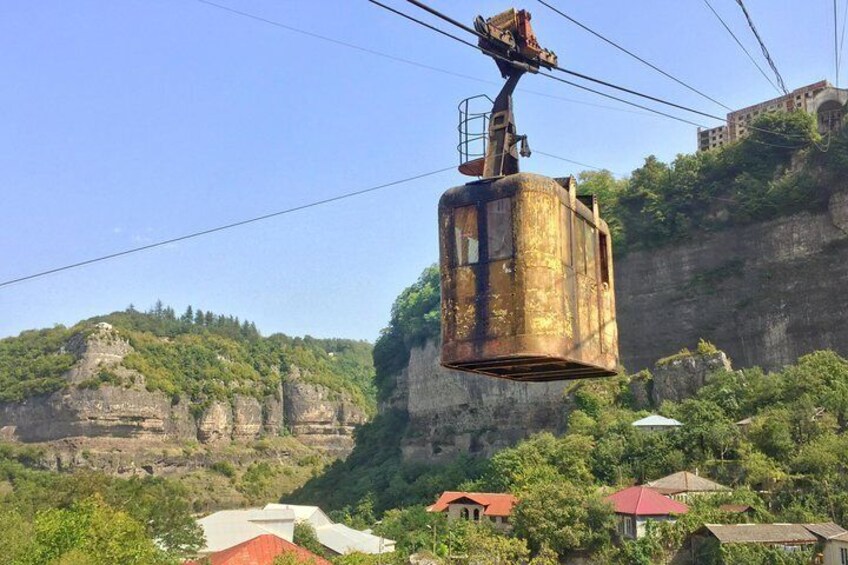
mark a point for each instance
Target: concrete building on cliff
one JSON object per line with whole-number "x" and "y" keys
{"x": 821, "y": 99}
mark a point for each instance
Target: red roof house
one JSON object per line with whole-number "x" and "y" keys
{"x": 261, "y": 550}
{"x": 636, "y": 505}
{"x": 497, "y": 507}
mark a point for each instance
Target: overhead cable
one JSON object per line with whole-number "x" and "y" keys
{"x": 219, "y": 228}
{"x": 395, "y": 58}
{"x": 741, "y": 46}
{"x": 765, "y": 51}
{"x": 633, "y": 55}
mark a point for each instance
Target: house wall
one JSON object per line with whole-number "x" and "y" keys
{"x": 455, "y": 513}
{"x": 833, "y": 553}
{"x": 642, "y": 523}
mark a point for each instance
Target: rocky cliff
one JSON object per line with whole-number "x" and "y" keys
{"x": 765, "y": 293}
{"x": 451, "y": 412}
{"x": 90, "y": 408}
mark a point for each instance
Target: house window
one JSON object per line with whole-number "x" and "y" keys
{"x": 476, "y": 514}
{"x": 465, "y": 236}
{"x": 463, "y": 513}
{"x": 499, "y": 227}
{"x": 843, "y": 556}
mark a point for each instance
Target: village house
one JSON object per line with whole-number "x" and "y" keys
{"x": 477, "y": 506}
{"x": 827, "y": 539}
{"x": 683, "y": 484}
{"x": 635, "y": 506}
{"x": 656, "y": 423}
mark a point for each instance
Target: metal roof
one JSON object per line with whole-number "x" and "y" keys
{"x": 643, "y": 501}
{"x": 341, "y": 539}
{"x": 684, "y": 481}
{"x": 311, "y": 514}
{"x": 656, "y": 420}
{"x": 786, "y": 534}
{"x": 227, "y": 528}
{"x": 826, "y": 530}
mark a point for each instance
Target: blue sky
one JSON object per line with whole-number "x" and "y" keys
{"x": 126, "y": 122}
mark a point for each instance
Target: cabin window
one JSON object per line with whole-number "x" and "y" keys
{"x": 465, "y": 235}
{"x": 476, "y": 514}
{"x": 566, "y": 235}
{"x": 605, "y": 270}
{"x": 589, "y": 237}
{"x": 499, "y": 228}
{"x": 579, "y": 245}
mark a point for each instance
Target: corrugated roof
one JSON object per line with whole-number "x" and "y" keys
{"x": 261, "y": 550}
{"x": 342, "y": 539}
{"x": 826, "y": 530}
{"x": 787, "y": 534}
{"x": 227, "y": 528}
{"x": 311, "y": 514}
{"x": 656, "y": 420}
{"x": 643, "y": 501}
{"x": 494, "y": 503}
{"x": 684, "y": 481}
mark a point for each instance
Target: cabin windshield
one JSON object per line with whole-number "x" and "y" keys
{"x": 465, "y": 235}
{"x": 499, "y": 228}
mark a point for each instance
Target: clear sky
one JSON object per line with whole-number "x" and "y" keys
{"x": 129, "y": 121}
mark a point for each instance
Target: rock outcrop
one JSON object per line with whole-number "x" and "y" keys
{"x": 89, "y": 409}
{"x": 681, "y": 376}
{"x": 765, "y": 293}
{"x": 319, "y": 417}
{"x": 452, "y": 413}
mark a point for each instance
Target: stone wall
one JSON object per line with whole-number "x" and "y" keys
{"x": 765, "y": 293}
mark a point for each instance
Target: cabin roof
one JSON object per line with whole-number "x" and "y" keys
{"x": 495, "y": 504}
{"x": 684, "y": 481}
{"x": 644, "y": 501}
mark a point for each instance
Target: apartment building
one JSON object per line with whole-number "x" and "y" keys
{"x": 821, "y": 99}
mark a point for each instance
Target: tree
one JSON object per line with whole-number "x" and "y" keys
{"x": 564, "y": 518}
{"x": 90, "y": 532}
{"x": 188, "y": 315}
{"x": 305, "y": 537}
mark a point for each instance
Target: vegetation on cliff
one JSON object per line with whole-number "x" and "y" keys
{"x": 201, "y": 355}
{"x": 764, "y": 176}
{"x": 795, "y": 450}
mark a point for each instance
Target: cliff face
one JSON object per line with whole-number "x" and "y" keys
{"x": 452, "y": 412}
{"x": 314, "y": 414}
{"x": 764, "y": 293}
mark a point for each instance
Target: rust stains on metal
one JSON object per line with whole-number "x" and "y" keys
{"x": 527, "y": 281}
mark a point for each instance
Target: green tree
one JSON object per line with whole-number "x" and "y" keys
{"x": 564, "y": 518}
{"x": 305, "y": 537}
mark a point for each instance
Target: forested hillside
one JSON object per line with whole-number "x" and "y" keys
{"x": 764, "y": 176}
{"x": 790, "y": 463}
{"x": 200, "y": 355}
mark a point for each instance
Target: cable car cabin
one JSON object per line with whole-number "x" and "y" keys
{"x": 527, "y": 281}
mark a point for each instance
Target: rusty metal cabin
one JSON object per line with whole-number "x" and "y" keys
{"x": 526, "y": 280}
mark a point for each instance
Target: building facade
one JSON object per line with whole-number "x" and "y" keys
{"x": 821, "y": 99}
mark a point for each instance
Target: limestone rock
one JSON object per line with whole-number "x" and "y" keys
{"x": 216, "y": 423}
{"x": 765, "y": 293}
{"x": 451, "y": 412}
{"x": 320, "y": 417}
{"x": 683, "y": 375}
{"x": 107, "y": 411}
{"x": 247, "y": 417}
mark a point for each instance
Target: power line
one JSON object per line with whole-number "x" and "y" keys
{"x": 636, "y": 93}
{"x": 218, "y": 228}
{"x": 842, "y": 39}
{"x": 557, "y": 157}
{"x": 763, "y": 47}
{"x": 560, "y": 69}
{"x": 739, "y": 43}
{"x": 633, "y": 55}
{"x": 395, "y": 58}
{"x": 836, "y": 42}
